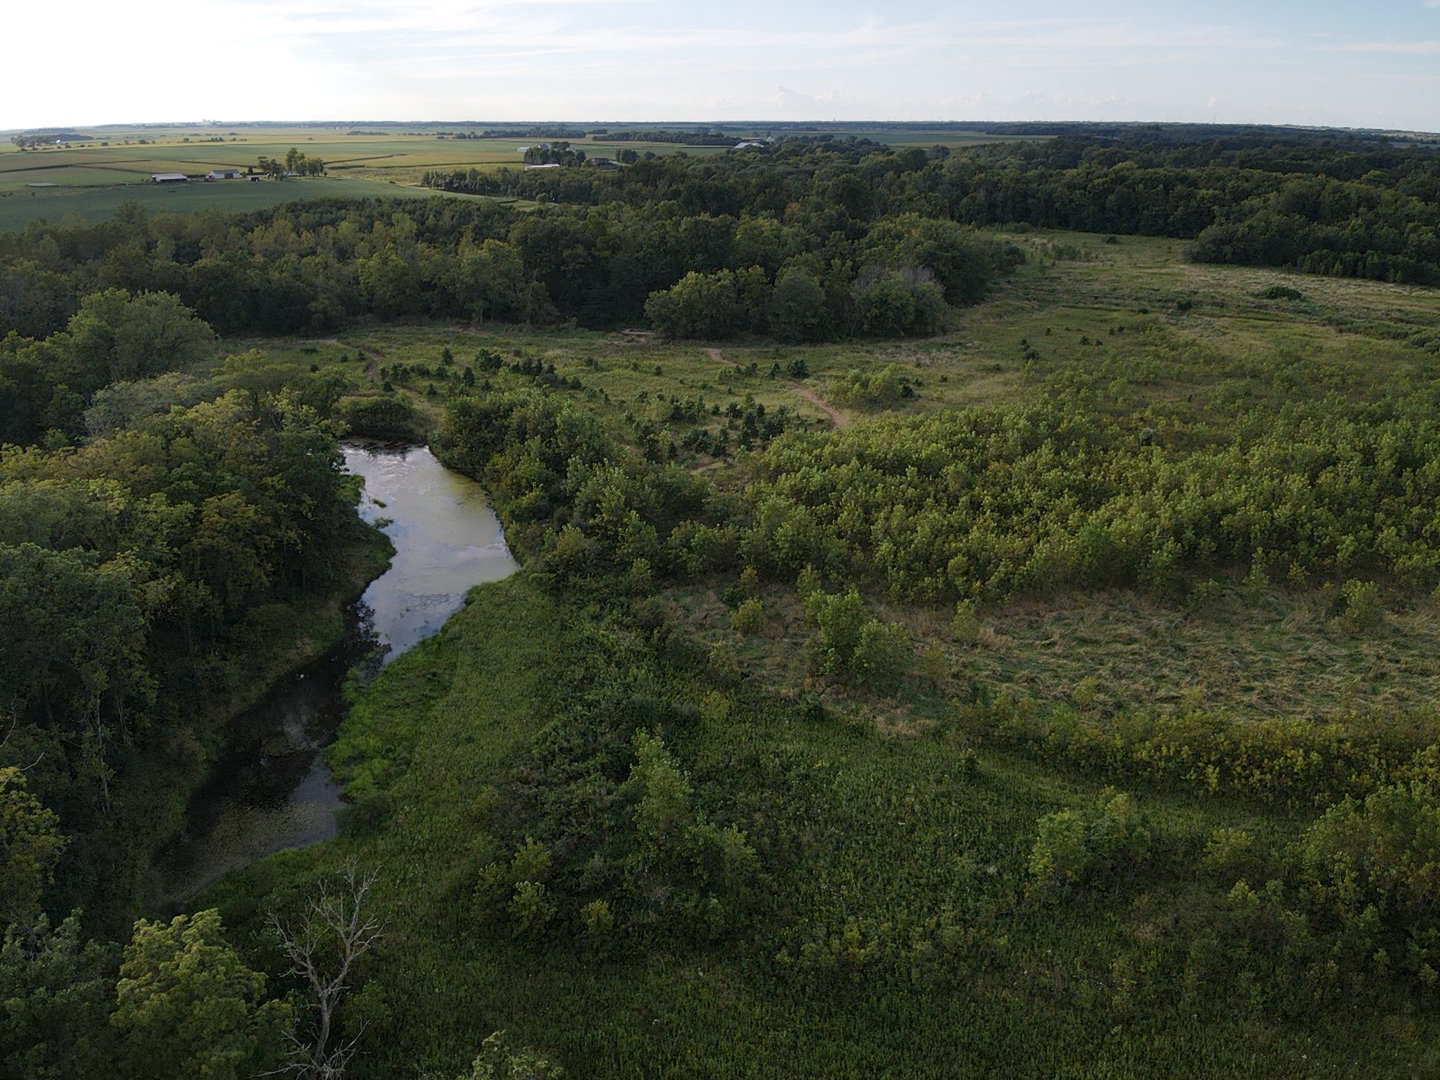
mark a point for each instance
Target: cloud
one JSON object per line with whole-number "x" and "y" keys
{"x": 1409, "y": 48}
{"x": 644, "y": 59}
{"x": 792, "y": 102}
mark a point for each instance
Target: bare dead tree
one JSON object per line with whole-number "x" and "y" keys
{"x": 335, "y": 932}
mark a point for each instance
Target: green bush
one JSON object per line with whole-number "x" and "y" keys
{"x": 1362, "y": 607}
{"x": 748, "y": 617}
{"x": 853, "y": 646}
{"x": 696, "y": 306}
{"x": 383, "y": 417}
{"x": 884, "y": 386}
{"x": 898, "y": 303}
{"x": 1107, "y": 840}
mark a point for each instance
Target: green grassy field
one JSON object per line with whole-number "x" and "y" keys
{"x": 96, "y": 204}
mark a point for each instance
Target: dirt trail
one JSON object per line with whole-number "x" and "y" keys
{"x": 838, "y": 418}
{"x": 371, "y": 358}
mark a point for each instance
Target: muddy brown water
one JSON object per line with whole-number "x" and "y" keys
{"x": 271, "y": 790}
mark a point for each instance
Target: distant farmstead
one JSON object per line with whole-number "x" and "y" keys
{"x": 223, "y": 174}
{"x": 169, "y": 178}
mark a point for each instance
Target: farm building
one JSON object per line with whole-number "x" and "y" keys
{"x": 169, "y": 178}
{"x": 223, "y": 174}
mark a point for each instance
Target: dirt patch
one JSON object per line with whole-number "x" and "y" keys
{"x": 714, "y": 354}
{"x": 838, "y": 418}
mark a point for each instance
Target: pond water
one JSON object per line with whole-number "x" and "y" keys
{"x": 271, "y": 790}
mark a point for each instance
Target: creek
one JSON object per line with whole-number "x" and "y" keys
{"x": 271, "y": 790}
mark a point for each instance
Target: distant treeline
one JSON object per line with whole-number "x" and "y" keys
{"x": 1358, "y": 208}
{"x": 822, "y": 269}
{"x": 682, "y": 138}
{"x": 531, "y": 133}
{"x": 701, "y": 137}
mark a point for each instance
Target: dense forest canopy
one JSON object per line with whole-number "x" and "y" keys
{"x": 1352, "y": 207}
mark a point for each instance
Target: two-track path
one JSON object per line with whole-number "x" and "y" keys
{"x": 838, "y": 418}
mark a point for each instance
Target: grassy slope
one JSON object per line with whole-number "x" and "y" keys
{"x": 900, "y": 831}
{"x": 231, "y": 196}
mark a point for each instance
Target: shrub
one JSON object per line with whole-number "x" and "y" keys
{"x": 1280, "y": 292}
{"x": 597, "y": 920}
{"x": 696, "y": 306}
{"x": 530, "y": 910}
{"x": 853, "y": 646}
{"x": 898, "y": 303}
{"x": 1362, "y": 607}
{"x": 715, "y": 707}
{"x": 1074, "y": 847}
{"x": 382, "y": 417}
{"x": 748, "y": 617}
{"x": 797, "y": 310}
{"x": 1383, "y": 851}
{"x": 497, "y": 1061}
{"x": 1229, "y": 853}
{"x": 965, "y": 626}
{"x": 882, "y": 387}
{"x": 882, "y": 656}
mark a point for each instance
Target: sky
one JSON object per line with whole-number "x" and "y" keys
{"x": 1374, "y": 64}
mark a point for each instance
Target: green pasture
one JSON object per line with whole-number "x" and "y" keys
{"x": 17, "y": 207}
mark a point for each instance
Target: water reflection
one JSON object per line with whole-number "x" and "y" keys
{"x": 446, "y": 539}
{"x": 271, "y": 791}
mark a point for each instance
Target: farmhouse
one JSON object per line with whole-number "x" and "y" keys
{"x": 169, "y": 178}
{"x": 223, "y": 174}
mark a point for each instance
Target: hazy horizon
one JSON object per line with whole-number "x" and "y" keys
{"x": 719, "y": 123}
{"x": 1312, "y": 65}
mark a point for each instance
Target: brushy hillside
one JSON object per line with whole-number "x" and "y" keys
{"x": 1070, "y": 714}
